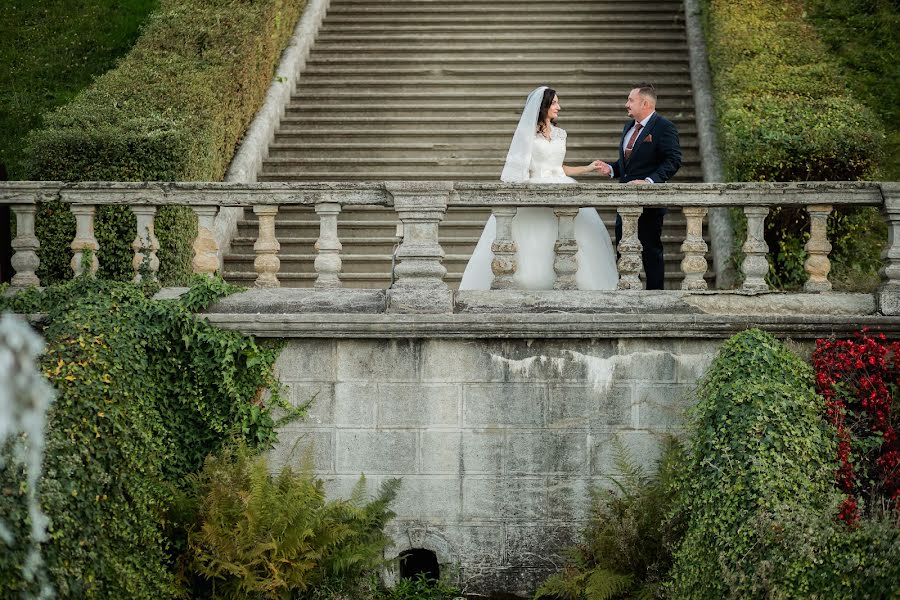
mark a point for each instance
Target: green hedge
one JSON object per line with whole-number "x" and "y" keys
{"x": 784, "y": 110}
{"x": 173, "y": 109}
{"x": 757, "y": 489}
{"x": 863, "y": 35}
{"x": 145, "y": 391}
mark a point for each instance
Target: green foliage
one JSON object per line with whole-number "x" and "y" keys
{"x": 786, "y": 113}
{"x": 50, "y": 51}
{"x": 172, "y": 110}
{"x": 758, "y": 443}
{"x": 807, "y": 554}
{"x": 254, "y": 535}
{"x": 420, "y": 588}
{"x": 863, "y": 35}
{"x": 145, "y": 391}
{"x": 626, "y": 547}
{"x": 784, "y": 110}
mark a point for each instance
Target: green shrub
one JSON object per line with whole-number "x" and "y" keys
{"x": 173, "y": 109}
{"x": 786, "y": 113}
{"x": 254, "y": 535}
{"x": 808, "y": 554}
{"x": 863, "y": 35}
{"x": 50, "y": 51}
{"x": 626, "y": 550}
{"x": 145, "y": 390}
{"x": 784, "y": 110}
{"x": 758, "y": 442}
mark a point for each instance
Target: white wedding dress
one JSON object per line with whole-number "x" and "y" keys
{"x": 535, "y": 231}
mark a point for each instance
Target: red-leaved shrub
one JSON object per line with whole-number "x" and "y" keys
{"x": 860, "y": 380}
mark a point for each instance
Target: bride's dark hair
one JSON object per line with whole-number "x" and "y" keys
{"x": 546, "y": 101}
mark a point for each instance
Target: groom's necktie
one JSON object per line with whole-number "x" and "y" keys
{"x": 630, "y": 147}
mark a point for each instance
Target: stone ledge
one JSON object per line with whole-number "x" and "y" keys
{"x": 545, "y": 325}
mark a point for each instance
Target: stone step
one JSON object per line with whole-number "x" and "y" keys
{"x": 492, "y": 10}
{"x": 378, "y": 104}
{"x": 685, "y": 175}
{"x": 499, "y": 135}
{"x": 413, "y": 166}
{"x": 453, "y": 15}
{"x": 372, "y": 263}
{"x": 576, "y": 153}
{"x": 536, "y": 37}
{"x": 511, "y": 60}
{"x": 467, "y": 46}
{"x": 571, "y": 121}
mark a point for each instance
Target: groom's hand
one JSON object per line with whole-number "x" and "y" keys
{"x": 601, "y": 167}
{"x": 638, "y": 182}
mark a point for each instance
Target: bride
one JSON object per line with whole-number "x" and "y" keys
{"x": 536, "y": 156}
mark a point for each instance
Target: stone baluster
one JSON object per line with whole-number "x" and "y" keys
{"x": 266, "y": 247}
{"x": 419, "y": 285}
{"x": 145, "y": 245}
{"x": 565, "y": 263}
{"x": 328, "y": 246}
{"x": 84, "y": 242}
{"x": 888, "y": 294}
{"x": 630, "y": 248}
{"x": 206, "y": 249}
{"x": 755, "y": 265}
{"x": 504, "y": 248}
{"x": 817, "y": 264}
{"x": 25, "y": 261}
{"x": 694, "y": 247}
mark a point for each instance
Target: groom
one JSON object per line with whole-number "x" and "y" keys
{"x": 649, "y": 152}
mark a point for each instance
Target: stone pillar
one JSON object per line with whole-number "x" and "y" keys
{"x": 504, "y": 248}
{"x": 328, "y": 246}
{"x": 145, "y": 244}
{"x": 755, "y": 266}
{"x": 630, "y": 248}
{"x": 694, "y": 247}
{"x": 888, "y": 294}
{"x": 84, "y": 241}
{"x": 565, "y": 263}
{"x": 817, "y": 264}
{"x": 206, "y": 249}
{"x": 266, "y": 247}
{"x": 419, "y": 286}
{"x": 25, "y": 260}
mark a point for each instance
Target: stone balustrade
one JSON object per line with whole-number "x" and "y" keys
{"x": 421, "y": 206}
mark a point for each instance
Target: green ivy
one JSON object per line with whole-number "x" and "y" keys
{"x": 146, "y": 390}
{"x": 760, "y": 450}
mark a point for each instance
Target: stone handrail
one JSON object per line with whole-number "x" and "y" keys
{"x": 420, "y": 208}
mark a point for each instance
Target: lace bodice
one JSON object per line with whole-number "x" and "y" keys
{"x": 547, "y": 156}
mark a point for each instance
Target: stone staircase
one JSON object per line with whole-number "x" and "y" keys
{"x": 433, "y": 89}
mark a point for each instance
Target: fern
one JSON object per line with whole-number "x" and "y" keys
{"x": 251, "y": 534}
{"x": 626, "y": 552}
{"x": 604, "y": 584}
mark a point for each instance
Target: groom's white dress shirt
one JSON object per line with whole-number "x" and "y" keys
{"x": 627, "y": 137}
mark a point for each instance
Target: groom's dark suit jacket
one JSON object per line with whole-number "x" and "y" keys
{"x": 658, "y": 158}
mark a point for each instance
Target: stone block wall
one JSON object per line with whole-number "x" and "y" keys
{"x": 498, "y": 443}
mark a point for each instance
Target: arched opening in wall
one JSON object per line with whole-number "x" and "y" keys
{"x": 418, "y": 561}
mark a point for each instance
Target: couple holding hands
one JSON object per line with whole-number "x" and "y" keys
{"x": 649, "y": 153}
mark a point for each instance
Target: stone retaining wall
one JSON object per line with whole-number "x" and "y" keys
{"x": 497, "y": 442}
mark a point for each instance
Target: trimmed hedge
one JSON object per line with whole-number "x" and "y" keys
{"x": 145, "y": 391}
{"x": 173, "y": 109}
{"x": 785, "y": 112}
{"x": 863, "y": 34}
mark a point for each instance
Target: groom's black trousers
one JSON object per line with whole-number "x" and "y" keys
{"x": 650, "y": 226}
